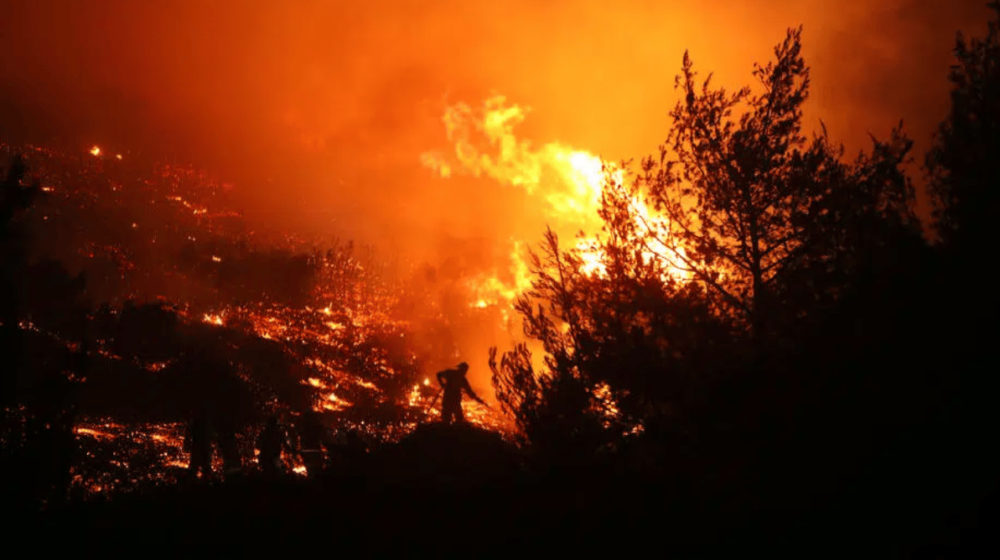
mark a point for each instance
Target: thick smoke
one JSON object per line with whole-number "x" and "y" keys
{"x": 319, "y": 110}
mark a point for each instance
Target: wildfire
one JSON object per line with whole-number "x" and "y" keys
{"x": 332, "y": 336}
{"x": 568, "y": 182}
{"x": 213, "y": 319}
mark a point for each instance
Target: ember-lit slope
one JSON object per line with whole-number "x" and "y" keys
{"x": 365, "y": 335}
{"x": 164, "y": 233}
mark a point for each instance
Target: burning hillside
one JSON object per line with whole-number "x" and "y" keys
{"x": 300, "y": 323}
{"x": 330, "y": 319}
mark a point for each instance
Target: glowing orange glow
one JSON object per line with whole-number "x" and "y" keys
{"x": 213, "y": 319}
{"x": 568, "y": 183}
{"x": 322, "y": 141}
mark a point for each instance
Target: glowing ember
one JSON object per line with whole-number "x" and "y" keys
{"x": 95, "y": 151}
{"x": 336, "y": 336}
{"x": 213, "y": 319}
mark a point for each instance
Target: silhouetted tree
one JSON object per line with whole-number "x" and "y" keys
{"x": 274, "y": 373}
{"x": 747, "y": 205}
{"x": 742, "y": 226}
{"x": 555, "y": 412}
{"x": 628, "y": 347}
{"x": 562, "y": 406}
{"x": 16, "y": 197}
{"x": 44, "y": 314}
{"x": 56, "y": 300}
{"x": 149, "y": 332}
{"x": 961, "y": 164}
{"x": 52, "y": 404}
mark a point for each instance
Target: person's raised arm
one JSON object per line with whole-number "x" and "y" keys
{"x": 471, "y": 393}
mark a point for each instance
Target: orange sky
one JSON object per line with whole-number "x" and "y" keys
{"x": 319, "y": 110}
{"x": 334, "y": 101}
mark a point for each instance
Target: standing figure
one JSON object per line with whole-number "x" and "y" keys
{"x": 271, "y": 442}
{"x": 453, "y": 382}
{"x": 315, "y": 443}
{"x": 229, "y": 448}
{"x": 198, "y": 443}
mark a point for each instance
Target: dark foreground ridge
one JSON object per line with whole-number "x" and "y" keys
{"x": 459, "y": 490}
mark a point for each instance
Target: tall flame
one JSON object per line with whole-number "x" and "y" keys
{"x": 568, "y": 183}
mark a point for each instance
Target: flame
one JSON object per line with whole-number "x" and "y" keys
{"x": 328, "y": 337}
{"x": 213, "y": 319}
{"x": 95, "y": 151}
{"x": 568, "y": 182}
{"x": 414, "y": 396}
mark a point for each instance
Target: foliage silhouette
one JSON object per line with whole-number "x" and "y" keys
{"x": 768, "y": 221}
{"x": 772, "y": 231}
{"x": 558, "y": 408}
{"x": 44, "y": 349}
{"x": 961, "y": 164}
{"x": 16, "y": 198}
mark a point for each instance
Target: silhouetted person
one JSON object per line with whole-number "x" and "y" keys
{"x": 229, "y": 448}
{"x": 353, "y": 448}
{"x": 453, "y": 382}
{"x": 52, "y": 447}
{"x": 54, "y": 440}
{"x": 64, "y": 442}
{"x": 199, "y": 444}
{"x": 315, "y": 443}
{"x": 270, "y": 443}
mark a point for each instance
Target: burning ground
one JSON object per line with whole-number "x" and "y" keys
{"x": 171, "y": 271}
